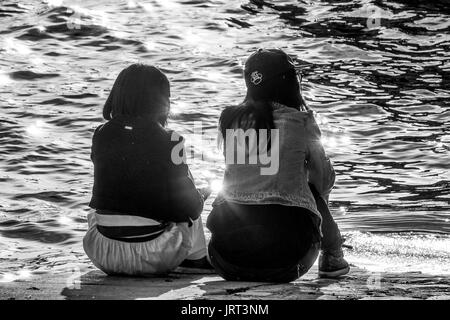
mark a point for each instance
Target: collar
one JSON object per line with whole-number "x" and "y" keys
{"x": 131, "y": 122}
{"x": 282, "y": 107}
{"x": 277, "y": 105}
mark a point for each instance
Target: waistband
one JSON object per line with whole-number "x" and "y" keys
{"x": 128, "y": 228}
{"x": 113, "y": 219}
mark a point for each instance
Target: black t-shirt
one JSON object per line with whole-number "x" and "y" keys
{"x": 134, "y": 173}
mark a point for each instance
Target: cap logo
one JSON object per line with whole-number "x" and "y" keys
{"x": 256, "y": 77}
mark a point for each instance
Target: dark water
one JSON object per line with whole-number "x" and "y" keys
{"x": 377, "y": 73}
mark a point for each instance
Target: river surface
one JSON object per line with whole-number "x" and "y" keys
{"x": 376, "y": 72}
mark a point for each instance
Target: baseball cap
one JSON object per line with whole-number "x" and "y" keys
{"x": 266, "y": 64}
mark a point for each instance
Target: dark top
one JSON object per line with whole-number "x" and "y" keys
{"x": 134, "y": 173}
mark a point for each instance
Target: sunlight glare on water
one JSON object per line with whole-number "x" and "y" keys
{"x": 36, "y": 129}
{"x": 216, "y": 186}
{"x": 7, "y": 277}
{"x": 13, "y": 46}
{"x": 4, "y": 79}
{"x": 65, "y": 220}
{"x": 377, "y": 75}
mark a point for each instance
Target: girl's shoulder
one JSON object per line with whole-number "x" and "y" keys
{"x": 298, "y": 119}
{"x": 237, "y": 116}
{"x": 291, "y": 114}
{"x": 98, "y": 129}
{"x": 230, "y": 111}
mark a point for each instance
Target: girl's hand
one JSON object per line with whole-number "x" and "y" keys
{"x": 205, "y": 192}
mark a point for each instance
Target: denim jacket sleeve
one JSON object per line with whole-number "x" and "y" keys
{"x": 320, "y": 169}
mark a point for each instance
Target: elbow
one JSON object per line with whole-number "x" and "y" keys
{"x": 192, "y": 209}
{"x": 197, "y": 209}
{"x": 324, "y": 184}
{"x": 328, "y": 183}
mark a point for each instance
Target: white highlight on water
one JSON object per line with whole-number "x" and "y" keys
{"x": 4, "y": 79}
{"x": 65, "y": 220}
{"x": 13, "y": 46}
{"x": 342, "y": 210}
{"x": 36, "y": 129}
{"x": 23, "y": 274}
{"x": 8, "y": 277}
{"x": 54, "y": 3}
{"x": 216, "y": 185}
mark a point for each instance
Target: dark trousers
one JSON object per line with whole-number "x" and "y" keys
{"x": 268, "y": 243}
{"x": 235, "y": 272}
{"x": 331, "y": 236}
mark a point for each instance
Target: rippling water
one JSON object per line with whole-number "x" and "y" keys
{"x": 377, "y": 73}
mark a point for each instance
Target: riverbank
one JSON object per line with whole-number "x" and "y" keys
{"x": 361, "y": 284}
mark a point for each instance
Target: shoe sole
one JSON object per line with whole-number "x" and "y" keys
{"x": 334, "y": 274}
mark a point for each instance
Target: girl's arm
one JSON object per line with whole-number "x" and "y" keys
{"x": 186, "y": 202}
{"x": 320, "y": 169}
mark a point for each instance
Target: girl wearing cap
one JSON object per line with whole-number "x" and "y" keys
{"x": 147, "y": 209}
{"x": 270, "y": 227}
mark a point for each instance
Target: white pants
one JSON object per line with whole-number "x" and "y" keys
{"x": 158, "y": 256}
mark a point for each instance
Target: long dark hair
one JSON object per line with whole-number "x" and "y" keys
{"x": 140, "y": 91}
{"x": 256, "y": 110}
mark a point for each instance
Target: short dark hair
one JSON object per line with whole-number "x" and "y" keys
{"x": 140, "y": 90}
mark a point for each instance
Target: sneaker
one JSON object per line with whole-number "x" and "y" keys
{"x": 332, "y": 265}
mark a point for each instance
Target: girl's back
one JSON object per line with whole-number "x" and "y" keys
{"x": 265, "y": 224}
{"x": 287, "y": 183}
{"x": 131, "y": 166}
{"x": 147, "y": 208}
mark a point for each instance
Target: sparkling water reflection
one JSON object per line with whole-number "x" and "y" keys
{"x": 377, "y": 74}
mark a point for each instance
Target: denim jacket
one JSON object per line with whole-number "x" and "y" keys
{"x": 302, "y": 160}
